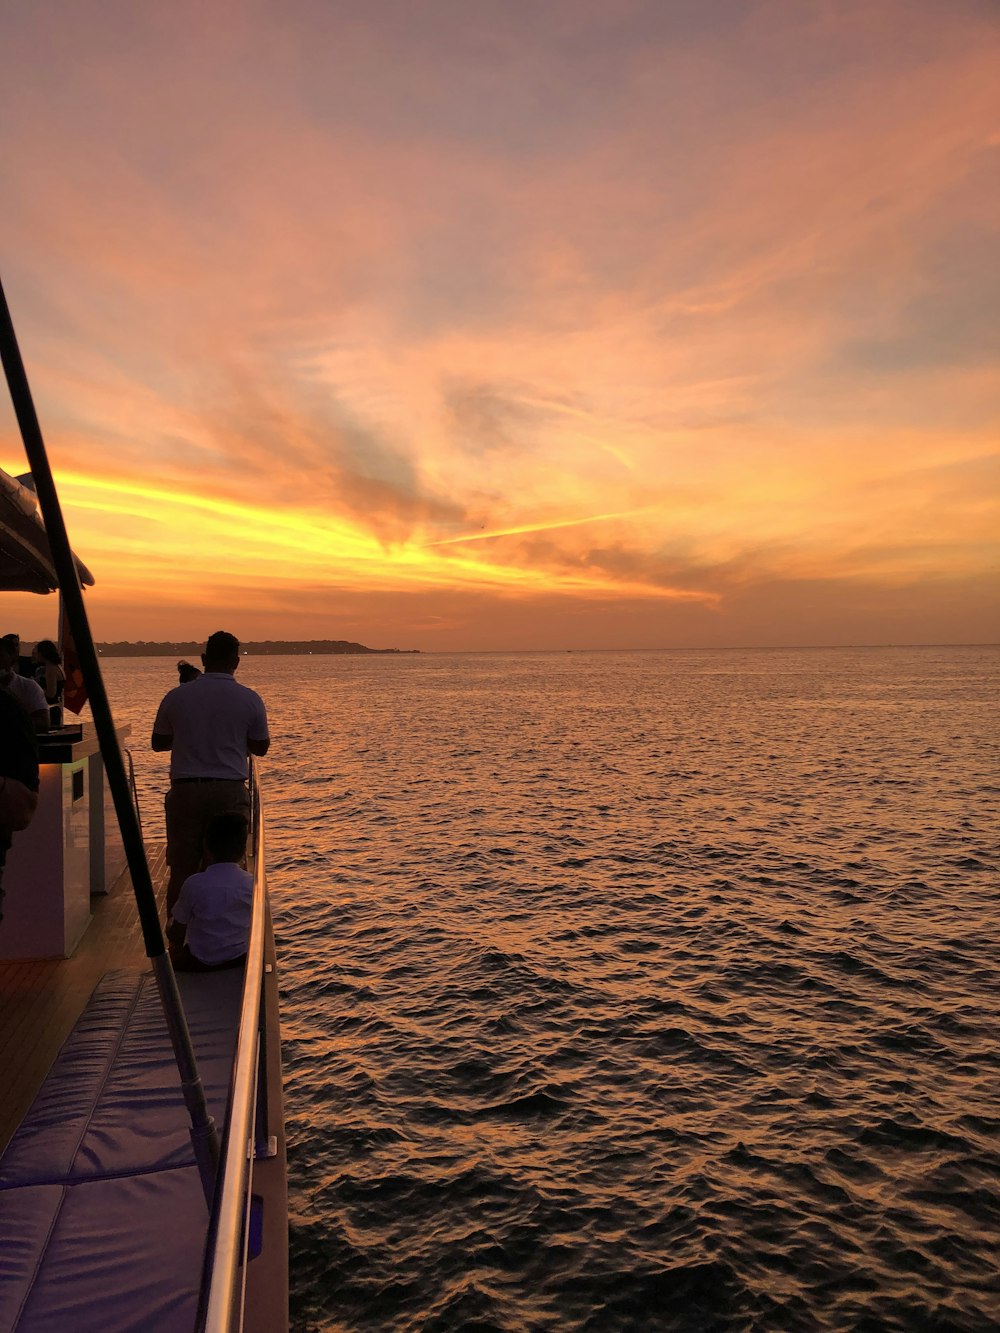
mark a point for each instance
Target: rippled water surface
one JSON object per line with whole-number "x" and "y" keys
{"x": 634, "y": 991}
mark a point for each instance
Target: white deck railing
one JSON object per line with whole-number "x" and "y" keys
{"x": 220, "y": 1305}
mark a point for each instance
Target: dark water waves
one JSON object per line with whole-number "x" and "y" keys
{"x": 640, "y": 991}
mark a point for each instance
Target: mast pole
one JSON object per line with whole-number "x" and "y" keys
{"x": 204, "y": 1136}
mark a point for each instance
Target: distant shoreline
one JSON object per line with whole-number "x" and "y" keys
{"x": 343, "y": 647}
{"x": 256, "y": 648}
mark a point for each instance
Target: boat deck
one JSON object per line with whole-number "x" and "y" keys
{"x": 40, "y": 1001}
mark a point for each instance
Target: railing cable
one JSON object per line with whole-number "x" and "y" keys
{"x": 134, "y": 789}
{"x": 220, "y": 1301}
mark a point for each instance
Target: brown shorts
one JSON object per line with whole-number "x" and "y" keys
{"x": 189, "y": 807}
{"x": 185, "y": 961}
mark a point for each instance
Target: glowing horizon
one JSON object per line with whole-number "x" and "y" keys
{"x": 619, "y": 327}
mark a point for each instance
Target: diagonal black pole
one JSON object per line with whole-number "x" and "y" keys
{"x": 204, "y": 1137}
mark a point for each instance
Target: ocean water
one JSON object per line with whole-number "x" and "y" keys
{"x": 634, "y": 991}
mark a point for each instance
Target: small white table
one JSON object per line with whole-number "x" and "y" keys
{"x": 67, "y": 852}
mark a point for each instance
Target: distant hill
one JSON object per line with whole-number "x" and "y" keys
{"x": 256, "y": 648}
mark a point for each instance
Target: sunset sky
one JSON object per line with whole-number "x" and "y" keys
{"x": 496, "y": 324}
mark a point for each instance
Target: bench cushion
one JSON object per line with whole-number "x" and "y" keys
{"x": 112, "y": 1102}
{"x": 102, "y": 1256}
{"x": 102, "y": 1215}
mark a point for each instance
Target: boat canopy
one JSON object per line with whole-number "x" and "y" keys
{"x": 25, "y": 558}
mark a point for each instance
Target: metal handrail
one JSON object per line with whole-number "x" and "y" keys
{"x": 133, "y": 786}
{"x": 225, "y": 1251}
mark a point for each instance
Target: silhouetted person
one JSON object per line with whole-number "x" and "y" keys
{"x": 187, "y": 672}
{"x": 23, "y": 664}
{"x": 50, "y": 676}
{"x": 211, "y": 926}
{"x": 28, "y": 693}
{"x": 18, "y": 775}
{"x": 209, "y": 726}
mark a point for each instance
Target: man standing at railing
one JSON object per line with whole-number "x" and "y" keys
{"x": 209, "y": 726}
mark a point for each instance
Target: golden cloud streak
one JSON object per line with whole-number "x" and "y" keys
{"x": 150, "y": 535}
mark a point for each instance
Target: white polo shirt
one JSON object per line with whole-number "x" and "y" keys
{"x": 210, "y": 721}
{"x": 216, "y": 905}
{"x": 28, "y": 693}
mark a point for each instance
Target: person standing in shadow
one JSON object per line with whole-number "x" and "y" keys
{"x": 18, "y": 775}
{"x": 23, "y": 665}
{"x": 50, "y": 676}
{"x": 27, "y": 692}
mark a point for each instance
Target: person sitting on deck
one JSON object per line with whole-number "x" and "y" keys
{"x": 211, "y": 924}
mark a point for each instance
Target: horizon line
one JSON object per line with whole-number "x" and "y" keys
{"x": 634, "y": 648}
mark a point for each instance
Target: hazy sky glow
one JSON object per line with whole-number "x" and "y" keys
{"x": 503, "y": 324}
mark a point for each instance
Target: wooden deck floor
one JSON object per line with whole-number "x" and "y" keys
{"x": 40, "y": 1001}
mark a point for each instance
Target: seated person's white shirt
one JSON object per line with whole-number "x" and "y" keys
{"x": 215, "y": 905}
{"x": 28, "y": 693}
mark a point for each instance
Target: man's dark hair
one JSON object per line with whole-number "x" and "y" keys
{"x": 226, "y": 837}
{"x": 222, "y": 647}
